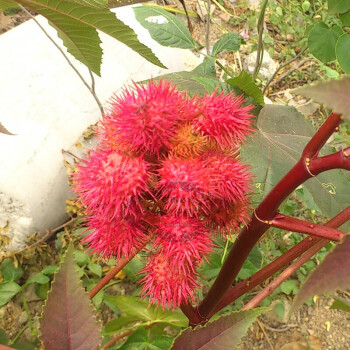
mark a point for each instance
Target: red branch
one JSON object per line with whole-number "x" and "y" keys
{"x": 244, "y": 286}
{"x": 296, "y": 225}
{"x": 267, "y": 210}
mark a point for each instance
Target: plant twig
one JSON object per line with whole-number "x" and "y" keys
{"x": 116, "y": 338}
{"x": 265, "y": 334}
{"x": 92, "y": 90}
{"x": 282, "y": 66}
{"x": 259, "y": 55}
{"x": 120, "y": 265}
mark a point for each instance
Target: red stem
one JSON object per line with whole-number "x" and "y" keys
{"x": 267, "y": 209}
{"x": 285, "y": 275}
{"x": 296, "y": 225}
{"x": 267, "y": 271}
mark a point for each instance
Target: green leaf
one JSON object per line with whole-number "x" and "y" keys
{"x": 338, "y": 6}
{"x": 230, "y": 42}
{"x": 96, "y": 269}
{"x": 120, "y": 322}
{"x": 77, "y": 24}
{"x": 164, "y": 27}
{"x": 290, "y": 287}
{"x": 7, "y": 4}
{"x": 68, "y": 321}
{"x": 41, "y": 290}
{"x": 306, "y": 5}
{"x": 330, "y": 275}
{"x": 81, "y": 257}
{"x": 38, "y": 278}
{"x": 49, "y": 270}
{"x": 7, "y": 291}
{"x": 335, "y": 94}
{"x": 331, "y": 73}
{"x": 211, "y": 84}
{"x": 140, "y": 341}
{"x": 23, "y": 346}
{"x": 345, "y": 18}
{"x": 207, "y": 68}
{"x": 322, "y": 41}
{"x": 134, "y": 307}
{"x": 4, "y": 339}
{"x": 282, "y": 133}
{"x": 9, "y": 272}
{"x": 245, "y": 82}
{"x": 341, "y": 304}
{"x": 223, "y": 333}
{"x": 342, "y": 51}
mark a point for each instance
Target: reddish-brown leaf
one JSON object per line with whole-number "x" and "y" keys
{"x": 332, "y": 274}
{"x": 335, "y": 94}
{"x": 68, "y": 321}
{"x": 3, "y": 130}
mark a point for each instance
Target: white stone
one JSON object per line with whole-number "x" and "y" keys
{"x": 268, "y": 66}
{"x": 45, "y": 104}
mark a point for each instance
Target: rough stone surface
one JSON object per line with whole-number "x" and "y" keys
{"x": 268, "y": 66}
{"x": 45, "y": 104}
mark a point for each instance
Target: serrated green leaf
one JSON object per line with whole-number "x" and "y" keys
{"x": 49, "y": 270}
{"x": 7, "y": 291}
{"x": 282, "y": 133}
{"x": 289, "y": 287}
{"x": 322, "y": 41}
{"x": 9, "y": 272}
{"x": 230, "y": 42}
{"x": 246, "y": 83}
{"x": 67, "y": 308}
{"x": 342, "y": 51}
{"x": 81, "y": 257}
{"x": 341, "y": 304}
{"x": 345, "y": 18}
{"x": 120, "y": 322}
{"x": 223, "y": 333}
{"x": 164, "y": 27}
{"x": 77, "y": 24}
{"x": 335, "y": 94}
{"x": 207, "y": 68}
{"x": 95, "y": 269}
{"x": 211, "y": 84}
{"x": 338, "y": 6}
{"x": 41, "y": 290}
{"x": 134, "y": 307}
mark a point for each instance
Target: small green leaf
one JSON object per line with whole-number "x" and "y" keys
{"x": 38, "y": 278}
{"x": 345, "y": 18}
{"x": 223, "y": 333}
{"x": 290, "y": 287}
{"x": 120, "y": 322}
{"x": 342, "y": 51}
{"x": 231, "y": 42}
{"x": 7, "y": 291}
{"x": 23, "y": 346}
{"x": 96, "y": 269}
{"x": 41, "y": 290}
{"x": 338, "y": 6}
{"x": 322, "y": 41}
{"x": 341, "y": 304}
{"x": 211, "y": 84}
{"x": 164, "y": 27}
{"x": 246, "y": 83}
{"x": 279, "y": 309}
{"x": 49, "y": 270}
{"x": 279, "y": 11}
{"x": 9, "y": 272}
{"x": 81, "y": 257}
{"x": 140, "y": 341}
{"x": 306, "y": 6}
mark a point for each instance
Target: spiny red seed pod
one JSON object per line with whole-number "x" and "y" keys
{"x": 228, "y": 217}
{"x": 110, "y": 184}
{"x": 224, "y": 119}
{"x": 183, "y": 240}
{"x": 114, "y": 238}
{"x": 166, "y": 283}
{"x": 184, "y": 185}
{"x": 229, "y": 178}
{"x": 145, "y": 118}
